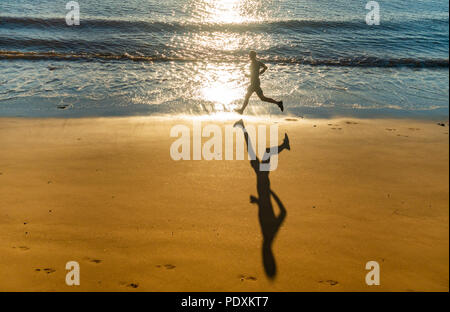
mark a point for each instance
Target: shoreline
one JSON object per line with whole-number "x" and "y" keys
{"x": 440, "y": 114}
{"x": 105, "y": 192}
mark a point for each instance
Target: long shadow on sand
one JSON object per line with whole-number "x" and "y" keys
{"x": 269, "y": 222}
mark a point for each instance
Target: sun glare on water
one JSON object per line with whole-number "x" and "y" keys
{"x": 224, "y": 11}
{"x": 220, "y": 86}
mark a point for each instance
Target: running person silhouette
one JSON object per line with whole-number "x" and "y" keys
{"x": 255, "y": 84}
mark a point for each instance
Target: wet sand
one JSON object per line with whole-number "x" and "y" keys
{"x": 105, "y": 193}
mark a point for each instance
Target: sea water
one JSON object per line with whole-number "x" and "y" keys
{"x": 190, "y": 57}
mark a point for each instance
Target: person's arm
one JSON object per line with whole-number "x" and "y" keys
{"x": 264, "y": 68}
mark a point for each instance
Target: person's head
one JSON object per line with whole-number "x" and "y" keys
{"x": 252, "y": 55}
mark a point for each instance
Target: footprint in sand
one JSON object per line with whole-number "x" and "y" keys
{"x": 351, "y": 123}
{"x": 22, "y": 248}
{"x": 330, "y": 282}
{"x": 46, "y": 270}
{"x": 243, "y": 277}
{"x": 166, "y": 266}
{"x": 414, "y": 129}
{"x": 132, "y": 285}
{"x": 290, "y": 119}
{"x": 93, "y": 260}
{"x": 391, "y": 129}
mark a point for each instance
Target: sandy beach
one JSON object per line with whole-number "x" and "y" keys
{"x": 104, "y": 192}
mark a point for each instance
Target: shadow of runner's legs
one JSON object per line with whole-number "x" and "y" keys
{"x": 269, "y": 222}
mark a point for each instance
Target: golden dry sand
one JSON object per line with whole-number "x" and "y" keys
{"x": 105, "y": 192}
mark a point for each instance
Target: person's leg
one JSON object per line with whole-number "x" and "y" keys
{"x": 263, "y": 98}
{"x": 254, "y": 162}
{"x": 247, "y": 98}
{"x": 276, "y": 150}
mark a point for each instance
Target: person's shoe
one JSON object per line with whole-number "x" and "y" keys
{"x": 240, "y": 111}
{"x": 286, "y": 142}
{"x": 239, "y": 123}
{"x": 280, "y": 105}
